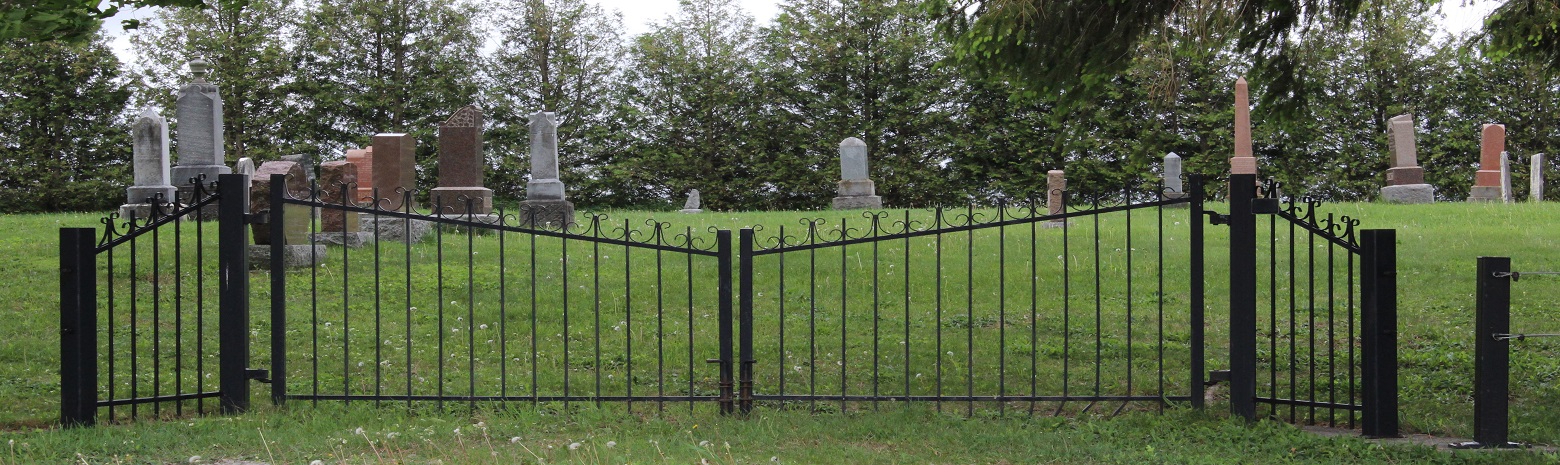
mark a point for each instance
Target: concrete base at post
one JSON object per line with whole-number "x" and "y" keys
{"x": 1485, "y": 194}
{"x": 546, "y": 214}
{"x": 293, "y": 256}
{"x": 1408, "y": 193}
{"x": 351, "y": 239}
{"x": 390, "y": 228}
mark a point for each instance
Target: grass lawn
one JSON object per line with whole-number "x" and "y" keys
{"x": 1437, "y": 247}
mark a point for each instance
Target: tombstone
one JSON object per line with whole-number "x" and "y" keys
{"x": 545, "y": 205}
{"x": 304, "y": 160}
{"x": 298, "y": 251}
{"x": 338, "y": 184}
{"x": 1486, "y": 182}
{"x": 363, "y": 159}
{"x": 692, "y": 205}
{"x": 1405, "y": 178}
{"x": 1505, "y": 178}
{"x": 149, "y": 154}
{"x": 1536, "y": 179}
{"x": 1056, "y": 198}
{"x": 394, "y": 168}
{"x": 244, "y": 166}
{"x": 199, "y": 113}
{"x": 1244, "y": 161}
{"x": 1170, "y": 174}
{"x": 856, "y": 190}
{"x": 460, "y": 166}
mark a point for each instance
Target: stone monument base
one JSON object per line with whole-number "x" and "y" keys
{"x": 546, "y": 214}
{"x": 391, "y": 228}
{"x": 143, "y": 211}
{"x": 351, "y": 239}
{"x": 206, "y": 213}
{"x": 1176, "y": 196}
{"x": 293, "y": 256}
{"x": 1485, "y": 194}
{"x": 691, "y": 210}
{"x": 1408, "y": 193}
{"x": 1051, "y": 224}
{"x": 859, "y": 202}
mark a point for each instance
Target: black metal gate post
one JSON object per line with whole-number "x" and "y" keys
{"x": 1196, "y": 292}
{"x": 278, "y": 291}
{"x": 727, "y": 375}
{"x": 745, "y": 322}
{"x": 233, "y": 295}
{"x": 1492, "y": 356}
{"x": 1378, "y": 332}
{"x": 78, "y": 327}
{"x": 1243, "y": 297}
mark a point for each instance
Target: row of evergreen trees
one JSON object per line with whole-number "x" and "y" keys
{"x": 751, "y": 115}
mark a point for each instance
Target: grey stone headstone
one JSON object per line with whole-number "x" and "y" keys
{"x": 1173, "y": 173}
{"x": 305, "y": 161}
{"x": 244, "y": 166}
{"x": 853, "y": 159}
{"x": 692, "y": 205}
{"x": 544, "y": 184}
{"x": 1536, "y": 179}
{"x": 1400, "y": 136}
{"x": 150, "y": 154}
{"x": 1505, "y": 177}
{"x": 199, "y": 113}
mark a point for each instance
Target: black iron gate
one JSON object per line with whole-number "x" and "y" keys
{"x": 1028, "y": 309}
{"x": 138, "y": 303}
{"x": 1312, "y": 313}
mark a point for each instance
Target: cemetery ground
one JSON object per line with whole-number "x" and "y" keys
{"x": 1437, "y": 247}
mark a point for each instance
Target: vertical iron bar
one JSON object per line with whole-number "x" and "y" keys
{"x": 877, "y": 336}
{"x": 969, "y": 312}
{"x": 628, "y": 317}
{"x": 1378, "y": 327}
{"x": 723, "y": 251}
{"x": 1332, "y": 341}
{"x": 178, "y": 315}
{"x": 78, "y": 327}
{"x": 1001, "y": 310}
{"x": 278, "y": 295}
{"x": 844, "y": 314}
{"x": 1243, "y": 297}
{"x": 1272, "y": 334}
{"x": 1196, "y": 295}
{"x": 157, "y": 320}
{"x": 233, "y": 263}
{"x": 1310, "y": 329}
{"x": 938, "y": 226}
{"x": 745, "y": 321}
{"x": 1294, "y": 317}
{"x": 1034, "y": 306}
{"x": 471, "y": 309}
{"x": 438, "y": 265}
{"x": 1491, "y": 356}
{"x": 595, "y": 275}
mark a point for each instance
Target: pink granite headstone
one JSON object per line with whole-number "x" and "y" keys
{"x": 461, "y": 164}
{"x": 337, "y": 178}
{"x": 1486, "y": 182}
{"x": 1244, "y": 162}
{"x": 363, "y": 159}
{"x": 394, "y": 167}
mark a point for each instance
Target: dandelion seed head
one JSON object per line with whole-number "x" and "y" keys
{"x": 574, "y": 446}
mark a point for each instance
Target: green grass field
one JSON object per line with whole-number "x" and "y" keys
{"x": 994, "y": 319}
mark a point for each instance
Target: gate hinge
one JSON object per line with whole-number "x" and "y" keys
{"x": 1216, "y": 218}
{"x": 258, "y": 374}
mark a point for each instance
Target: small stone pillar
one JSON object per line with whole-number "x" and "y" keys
{"x": 692, "y": 205}
{"x": 1055, "y": 198}
{"x": 363, "y": 159}
{"x": 545, "y": 205}
{"x": 150, "y": 157}
{"x": 1505, "y": 178}
{"x": 1536, "y": 179}
{"x": 298, "y": 251}
{"x": 394, "y": 167}
{"x": 1486, "y": 182}
{"x": 1244, "y": 161}
{"x": 338, "y": 183}
{"x": 460, "y": 167}
{"x": 1405, "y": 178}
{"x": 244, "y": 166}
{"x": 1174, "y": 188}
{"x": 199, "y": 113}
{"x": 856, "y": 190}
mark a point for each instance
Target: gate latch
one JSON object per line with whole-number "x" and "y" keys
{"x": 1216, "y": 218}
{"x": 258, "y": 374}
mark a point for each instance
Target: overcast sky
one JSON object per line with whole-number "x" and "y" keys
{"x": 637, "y": 14}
